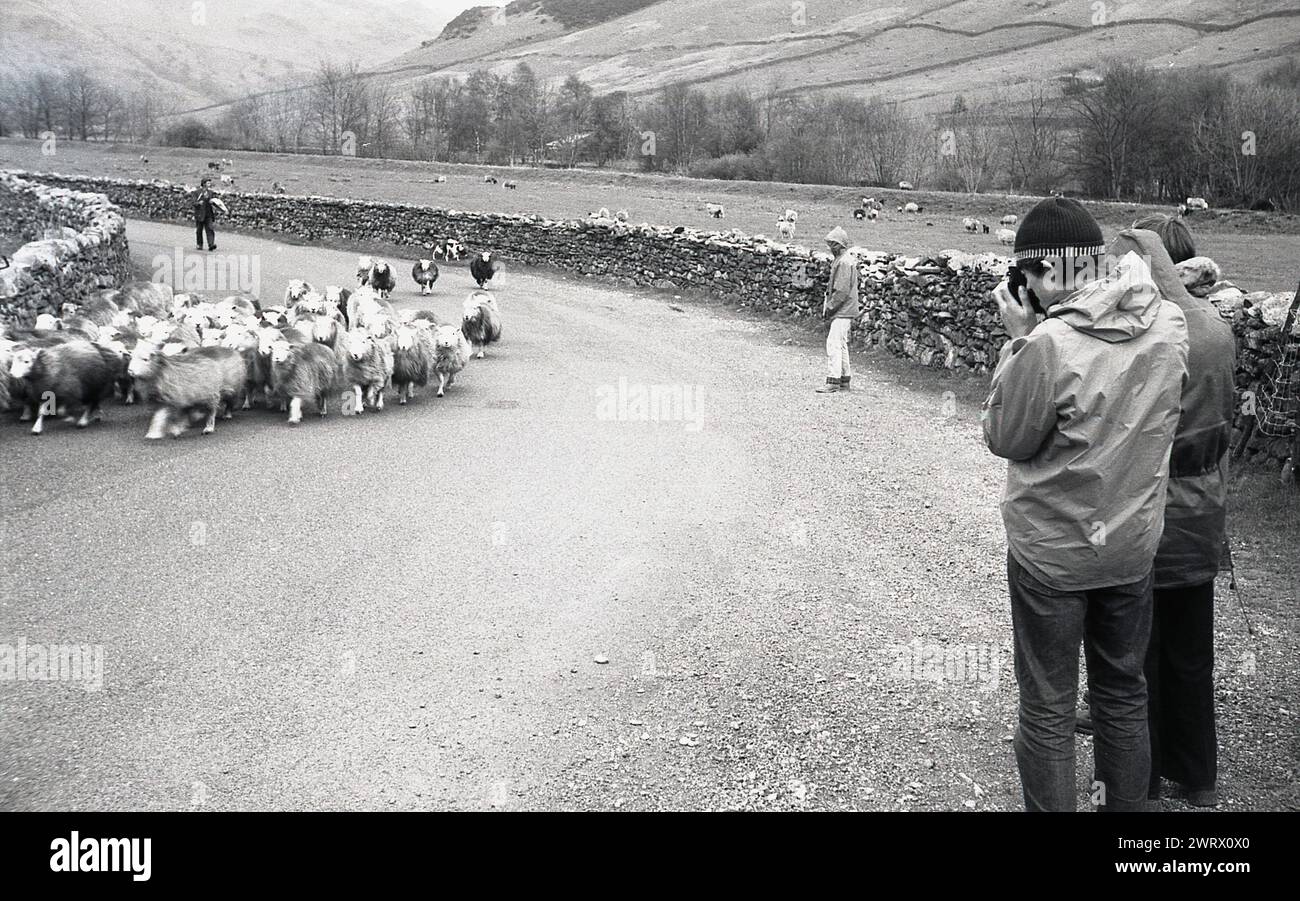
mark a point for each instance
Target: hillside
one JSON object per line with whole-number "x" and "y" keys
{"x": 205, "y": 53}
{"x": 920, "y": 54}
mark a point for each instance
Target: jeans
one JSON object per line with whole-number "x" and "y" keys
{"x": 837, "y": 348}
{"x": 1113, "y": 625}
{"x": 1180, "y": 680}
{"x": 202, "y": 228}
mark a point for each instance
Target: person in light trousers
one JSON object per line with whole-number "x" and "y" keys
{"x": 841, "y": 307}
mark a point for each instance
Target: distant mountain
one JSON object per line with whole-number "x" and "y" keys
{"x": 920, "y": 53}
{"x": 205, "y": 52}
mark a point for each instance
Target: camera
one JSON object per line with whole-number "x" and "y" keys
{"x": 1016, "y": 282}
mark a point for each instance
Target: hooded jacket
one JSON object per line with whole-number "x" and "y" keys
{"x": 1196, "y": 503}
{"x": 1085, "y": 408}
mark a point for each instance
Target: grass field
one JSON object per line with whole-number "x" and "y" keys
{"x": 1258, "y": 251}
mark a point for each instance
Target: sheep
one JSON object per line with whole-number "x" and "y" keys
{"x": 621, "y": 215}
{"x": 368, "y": 368}
{"x": 338, "y": 297}
{"x": 911, "y": 207}
{"x": 425, "y": 273}
{"x": 98, "y": 309}
{"x": 452, "y": 351}
{"x": 144, "y": 298}
{"x": 905, "y": 186}
{"x": 859, "y": 214}
{"x": 716, "y": 210}
{"x": 871, "y": 203}
{"x": 511, "y": 185}
{"x": 785, "y": 228}
{"x": 481, "y": 320}
{"x": 381, "y": 278}
{"x": 228, "y": 180}
{"x": 246, "y": 341}
{"x": 144, "y": 159}
{"x": 203, "y": 379}
{"x": 970, "y": 224}
{"x": 368, "y": 311}
{"x": 440, "y": 179}
{"x": 985, "y": 227}
{"x": 73, "y": 372}
{"x": 6, "y": 359}
{"x": 1009, "y": 219}
{"x": 1007, "y": 235}
{"x": 214, "y": 167}
{"x": 873, "y": 214}
{"x": 296, "y": 290}
{"x": 790, "y": 216}
{"x": 1197, "y": 203}
{"x": 420, "y": 318}
{"x": 484, "y": 267}
{"x": 602, "y": 213}
{"x": 413, "y": 360}
{"x": 277, "y": 188}
{"x": 489, "y": 180}
{"x": 364, "y": 265}
{"x": 304, "y": 372}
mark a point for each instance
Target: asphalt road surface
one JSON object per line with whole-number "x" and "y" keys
{"x": 405, "y": 609}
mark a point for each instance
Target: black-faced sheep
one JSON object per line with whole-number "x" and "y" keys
{"x": 481, "y": 320}
{"x": 198, "y": 380}
{"x": 483, "y": 267}
{"x": 452, "y": 351}
{"x": 413, "y": 360}
{"x": 425, "y": 273}
{"x": 75, "y": 373}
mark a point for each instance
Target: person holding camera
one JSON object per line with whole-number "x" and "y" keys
{"x": 1084, "y": 403}
{"x": 841, "y": 308}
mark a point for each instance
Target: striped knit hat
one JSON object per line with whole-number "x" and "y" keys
{"x": 1058, "y": 227}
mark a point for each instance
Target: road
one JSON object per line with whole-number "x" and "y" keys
{"x": 405, "y": 609}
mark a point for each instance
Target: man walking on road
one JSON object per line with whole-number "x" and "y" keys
{"x": 205, "y": 215}
{"x": 841, "y": 308}
{"x": 1084, "y": 406}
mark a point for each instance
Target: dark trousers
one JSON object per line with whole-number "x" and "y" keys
{"x": 1113, "y": 625}
{"x": 1180, "y": 685}
{"x": 205, "y": 228}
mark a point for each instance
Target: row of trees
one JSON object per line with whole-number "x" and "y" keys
{"x": 1131, "y": 133}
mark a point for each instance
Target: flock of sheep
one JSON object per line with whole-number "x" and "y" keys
{"x": 198, "y": 359}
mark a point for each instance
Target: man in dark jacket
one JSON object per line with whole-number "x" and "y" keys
{"x": 205, "y": 214}
{"x": 1180, "y": 658}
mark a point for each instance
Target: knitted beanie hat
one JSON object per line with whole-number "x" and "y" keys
{"x": 1058, "y": 227}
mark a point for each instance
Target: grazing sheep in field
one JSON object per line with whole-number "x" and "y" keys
{"x": 368, "y": 368}
{"x": 425, "y": 273}
{"x": 1196, "y": 203}
{"x": 621, "y": 215}
{"x": 511, "y": 185}
{"x": 971, "y": 225}
{"x": 440, "y": 179}
{"x": 481, "y": 320}
{"x": 304, "y": 372}
{"x": 716, "y": 210}
{"x": 911, "y": 207}
{"x": 871, "y": 203}
{"x": 413, "y": 360}
{"x": 489, "y": 180}
{"x": 905, "y": 186}
{"x": 859, "y": 214}
{"x": 228, "y": 180}
{"x": 75, "y": 372}
{"x": 785, "y": 228}
{"x": 214, "y": 166}
{"x": 1009, "y": 219}
{"x": 1007, "y": 236}
{"x": 452, "y": 353}
{"x": 203, "y": 379}
{"x": 484, "y": 267}
{"x": 985, "y": 227}
{"x": 602, "y": 213}
{"x": 277, "y": 188}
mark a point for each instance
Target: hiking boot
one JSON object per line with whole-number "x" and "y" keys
{"x": 844, "y": 382}
{"x": 831, "y": 386}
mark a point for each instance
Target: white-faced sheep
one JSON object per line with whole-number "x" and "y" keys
{"x": 621, "y": 215}
{"x": 200, "y": 380}
{"x": 338, "y": 298}
{"x": 228, "y": 180}
{"x": 911, "y": 207}
{"x": 413, "y": 360}
{"x": 785, "y": 228}
{"x": 1196, "y": 203}
{"x": 602, "y": 213}
{"x": 63, "y": 375}
{"x": 483, "y": 267}
{"x": 905, "y": 186}
{"x": 481, "y": 320}
{"x": 716, "y": 210}
{"x": 871, "y": 203}
{"x": 368, "y": 368}
{"x": 1007, "y": 236}
{"x": 304, "y": 372}
{"x": 1009, "y": 219}
{"x": 143, "y": 298}
{"x": 452, "y": 351}
{"x": 364, "y": 265}
{"x": 970, "y": 224}
{"x": 295, "y": 291}
{"x": 425, "y": 273}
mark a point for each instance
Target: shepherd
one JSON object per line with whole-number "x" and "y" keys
{"x": 841, "y": 308}
{"x": 205, "y": 214}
